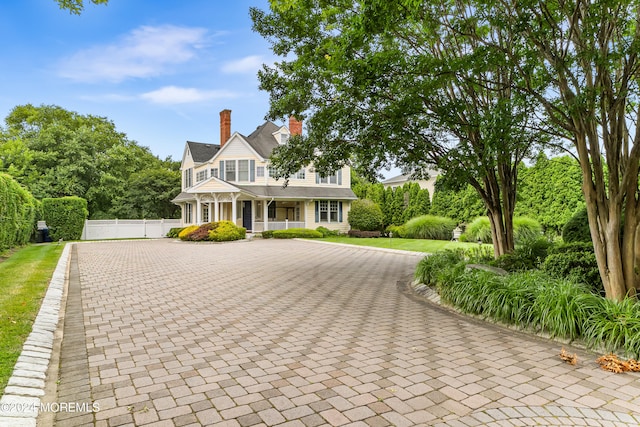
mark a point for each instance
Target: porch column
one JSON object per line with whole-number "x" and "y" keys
{"x": 253, "y": 215}
{"x": 216, "y": 211}
{"x": 234, "y": 207}
{"x": 198, "y": 210}
{"x": 209, "y": 213}
{"x": 265, "y": 214}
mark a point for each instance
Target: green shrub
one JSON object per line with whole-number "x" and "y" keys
{"x": 267, "y": 234}
{"x": 577, "y": 228}
{"x": 227, "y": 231}
{"x": 396, "y": 231}
{"x": 17, "y": 213}
{"x": 365, "y": 215}
{"x": 184, "y": 234}
{"x": 65, "y": 217}
{"x": 576, "y": 265}
{"x": 524, "y": 229}
{"x": 174, "y": 232}
{"x": 430, "y": 227}
{"x": 326, "y": 232}
{"x": 479, "y": 229}
{"x": 293, "y": 233}
{"x": 430, "y": 267}
{"x": 527, "y": 256}
{"x": 364, "y": 234}
{"x": 613, "y": 326}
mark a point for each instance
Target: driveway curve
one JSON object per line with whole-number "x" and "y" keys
{"x": 296, "y": 333}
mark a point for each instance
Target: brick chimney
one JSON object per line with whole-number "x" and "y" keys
{"x": 225, "y": 126}
{"x": 295, "y": 127}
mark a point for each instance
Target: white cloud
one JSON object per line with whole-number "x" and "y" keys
{"x": 181, "y": 95}
{"x": 144, "y": 52}
{"x": 246, "y": 65}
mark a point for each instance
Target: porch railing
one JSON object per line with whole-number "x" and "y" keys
{"x": 279, "y": 225}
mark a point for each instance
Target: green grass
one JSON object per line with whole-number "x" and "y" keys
{"x": 416, "y": 245}
{"x": 24, "y": 277}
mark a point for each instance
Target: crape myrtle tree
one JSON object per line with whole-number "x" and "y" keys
{"x": 402, "y": 82}
{"x": 579, "y": 59}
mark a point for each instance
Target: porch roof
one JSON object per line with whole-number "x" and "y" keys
{"x": 271, "y": 192}
{"x": 279, "y": 192}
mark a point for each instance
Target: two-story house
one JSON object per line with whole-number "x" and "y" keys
{"x": 232, "y": 181}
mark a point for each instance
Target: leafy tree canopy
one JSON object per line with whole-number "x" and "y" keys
{"x": 56, "y": 153}
{"x": 77, "y": 6}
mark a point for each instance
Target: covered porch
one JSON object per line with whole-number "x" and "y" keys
{"x": 215, "y": 200}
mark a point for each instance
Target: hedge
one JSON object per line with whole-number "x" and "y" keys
{"x": 17, "y": 213}
{"x": 524, "y": 229}
{"x": 65, "y": 217}
{"x": 293, "y": 233}
{"x": 227, "y": 231}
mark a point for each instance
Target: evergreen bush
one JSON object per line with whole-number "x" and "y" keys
{"x": 577, "y": 228}
{"x": 17, "y": 213}
{"x": 65, "y": 217}
{"x": 365, "y": 215}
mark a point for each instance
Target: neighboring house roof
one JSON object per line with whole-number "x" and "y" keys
{"x": 182, "y": 197}
{"x": 401, "y": 179}
{"x": 201, "y": 152}
{"x": 262, "y": 140}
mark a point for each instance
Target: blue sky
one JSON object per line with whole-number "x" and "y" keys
{"x": 161, "y": 70}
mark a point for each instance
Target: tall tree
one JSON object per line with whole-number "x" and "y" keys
{"x": 381, "y": 82}
{"x": 579, "y": 60}
{"x": 54, "y": 153}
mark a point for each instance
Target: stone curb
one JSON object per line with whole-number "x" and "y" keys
{"x": 20, "y": 403}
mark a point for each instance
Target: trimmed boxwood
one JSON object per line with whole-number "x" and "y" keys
{"x": 267, "y": 234}
{"x": 65, "y": 217}
{"x": 364, "y": 234}
{"x": 293, "y": 233}
{"x": 365, "y": 215}
{"x": 174, "y": 232}
{"x": 17, "y": 213}
{"x": 226, "y": 231}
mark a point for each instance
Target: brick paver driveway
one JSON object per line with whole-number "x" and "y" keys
{"x": 303, "y": 334}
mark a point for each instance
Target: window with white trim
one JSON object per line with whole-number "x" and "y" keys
{"x": 301, "y": 174}
{"x": 214, "y": 172}
{"x": 201, "y": 175}
{"x": 188, "y": 178}
{"x": 333, "y": 211}
{"x": 260, "y": 171}
{"x": 328, "y": 211}
{"x": 324, "y": 211}
{"x": 230, "y": 170}
{"x": 243, "y": 170}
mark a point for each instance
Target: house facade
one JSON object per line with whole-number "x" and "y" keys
{"x": 400, "y": 180}
{"x": 232, "y": 181}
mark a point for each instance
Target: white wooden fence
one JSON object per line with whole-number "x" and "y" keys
{"x": 97, "y": 229}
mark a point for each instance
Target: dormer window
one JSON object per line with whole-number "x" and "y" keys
{"x": 284, "y": 138}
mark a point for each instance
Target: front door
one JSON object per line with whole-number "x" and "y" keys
{"x": 246, "y": 215}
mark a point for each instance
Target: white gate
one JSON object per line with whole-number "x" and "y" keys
{"x": 98, "y": 229}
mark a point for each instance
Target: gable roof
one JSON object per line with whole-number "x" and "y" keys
{"x": 262, "y": 140}
{"x": 201, "y": 152}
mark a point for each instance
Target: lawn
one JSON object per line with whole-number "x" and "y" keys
{"x": 416, "y": 245}
{"x": 24, "y": 277}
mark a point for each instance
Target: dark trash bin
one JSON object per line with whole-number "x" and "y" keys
{"x": 39, "y": 236}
